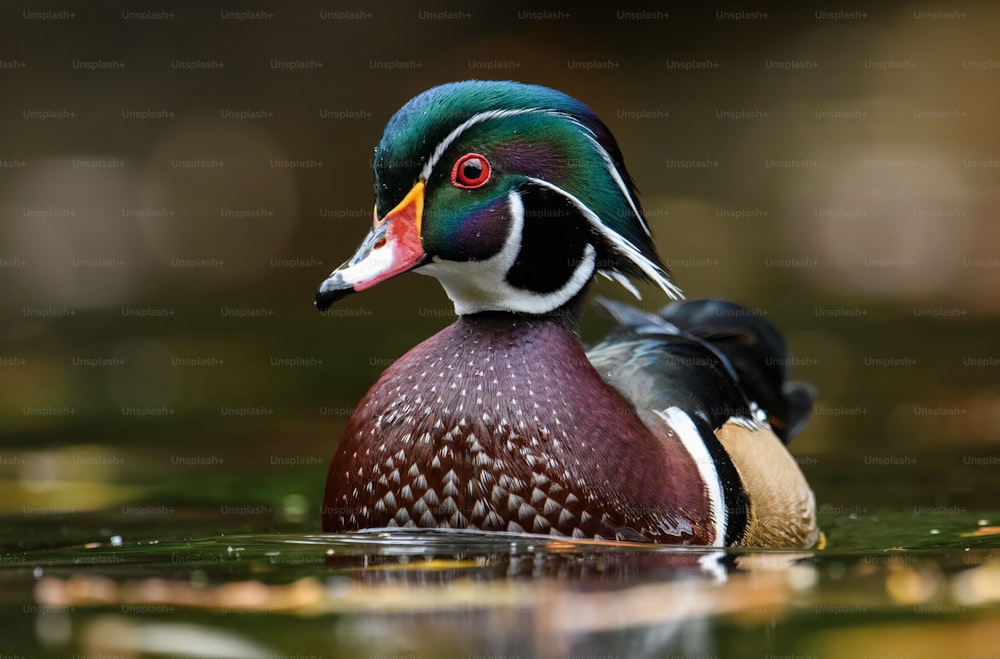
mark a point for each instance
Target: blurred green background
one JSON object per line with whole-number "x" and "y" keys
{"x": 176, "y": 181}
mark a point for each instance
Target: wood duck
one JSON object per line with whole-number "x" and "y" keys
{"x": 671, "y": 430}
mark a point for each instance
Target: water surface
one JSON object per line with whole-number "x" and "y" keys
{"x": 204, "y": 578}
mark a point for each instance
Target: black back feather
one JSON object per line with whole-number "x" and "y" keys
{"x": 709, "y": 357}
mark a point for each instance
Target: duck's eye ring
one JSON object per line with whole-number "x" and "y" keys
{"x": 471, "y": 171}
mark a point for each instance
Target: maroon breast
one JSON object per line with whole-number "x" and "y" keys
{"x": 501, "y": 423}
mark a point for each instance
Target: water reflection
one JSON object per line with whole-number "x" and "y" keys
{"x": 456, "y": 594}
{"x": 529, "y": 595}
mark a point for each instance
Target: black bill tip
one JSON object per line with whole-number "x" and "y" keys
{"x": 330, "y": 291}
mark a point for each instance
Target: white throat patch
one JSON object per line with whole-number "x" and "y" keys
{"x": 475, "y": 286}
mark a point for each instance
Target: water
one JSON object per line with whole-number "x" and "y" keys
{"x": 893, "y": 580}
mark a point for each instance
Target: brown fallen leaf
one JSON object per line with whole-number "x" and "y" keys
{"x": 981, "y": 531}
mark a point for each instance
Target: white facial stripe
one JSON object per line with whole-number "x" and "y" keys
{"x": 615, "y": 174}
{"x": 609, "y": 163}
{"x": 475, "y": 286}
{"x": 442, "y": 146}
{"x": 623, "y": 280}
{"x": 459, "y": 279}
{"x": 690, "y": 437}
{"x": 652, "y": 270}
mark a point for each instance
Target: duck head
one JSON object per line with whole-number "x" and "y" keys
{"x": 513, "y": 196}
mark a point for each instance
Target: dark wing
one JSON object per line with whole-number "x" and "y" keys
{"x": 713, "y": 358}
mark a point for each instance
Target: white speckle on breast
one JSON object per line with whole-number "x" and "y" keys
{"x": 493, "y": 521}
{"x": 526, "y": 512}
{"x": 551, "y": 506}
{"x": 457, "y": 520}
{"x": 478, "y": 511}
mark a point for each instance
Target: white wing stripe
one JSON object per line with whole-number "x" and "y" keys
{"x": 689, "y": 435}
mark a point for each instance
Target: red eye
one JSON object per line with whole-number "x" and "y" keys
{"x": 471, "y": 171}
